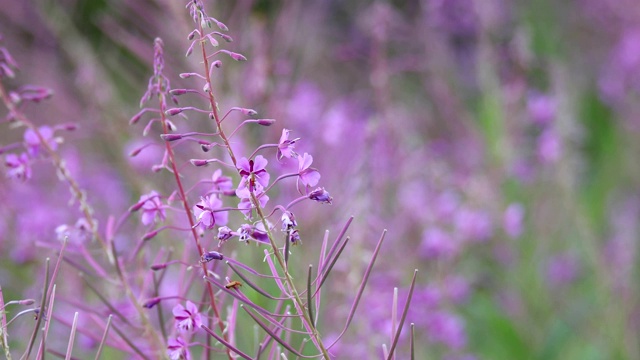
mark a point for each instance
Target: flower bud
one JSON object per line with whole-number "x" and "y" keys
{"x": 150, "y": 235}
{"x": 174, "y": 111}
{"x": 266, "y": 122}
{"x": 178, "y": 92}
{"x": 170, "y": 137}
{"x": 158, "y": 267}
{"x": 199, "y": 162}
{"x": 151, "y": 302}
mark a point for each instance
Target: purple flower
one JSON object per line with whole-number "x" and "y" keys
{"x": 207, "y": 216}
{"x": 247, "y": 232}
{"x": 541, "y": 108}
{"x": 78, "y": 234}
{"x": 294, "y": 237}
{"x": 288, "y": 221}
{"x": 457, "y": 288}
{"x": 177, "y": 349}
{"x": 308, "y": 176}
{"x": 224, "y": 233}
{"x": 152, "y": 208}
{"x": 513, "y": 219}
{"x": 286, "y": 146}
{"x": 473, "y": 225}
{"x": 252, "y": 171}
{"x": 246, "y": 204}
{"x": 221, "y": 183}
{"x": 448, "y": 329}
{"x": 320, "y": 195}
{"x": 549, "y": 146}
{"x": 563, "y": 269}
{"x": 32, "y": 141}
{"x": 437, "y": 243}
{"x": 19, "y": 167}
{"x": 187, "y": 319}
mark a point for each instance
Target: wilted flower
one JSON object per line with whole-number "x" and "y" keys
{"x": 247, "y": 232}
{"x": 211, "y": 255}
{"x": 320, "y": 195}
{"x": 224, "y": 233}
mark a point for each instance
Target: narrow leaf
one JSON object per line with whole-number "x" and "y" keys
{"x": 404, "y": 315}
{"x": 310, "y": 297}
{"x": 365, "y": 278}
{"x": 225, "y": 343}
{"x": 72, "y": 336}
{"x": 274, "y": 336}
{"x": 104, "y": 337}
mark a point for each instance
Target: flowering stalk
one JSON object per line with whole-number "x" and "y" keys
{"x": 161, "y": 86}
{"x": 79, "y": 195}
{"x": 256, "y": 203}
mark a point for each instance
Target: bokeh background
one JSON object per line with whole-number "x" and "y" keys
{"x": 495, "y": 140}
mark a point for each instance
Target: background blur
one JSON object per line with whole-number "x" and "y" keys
{"x": 496, "y": 140}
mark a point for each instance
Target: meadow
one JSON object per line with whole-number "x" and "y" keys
{"x": 435, "y": 179}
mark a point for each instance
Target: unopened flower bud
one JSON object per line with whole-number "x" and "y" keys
{"x": 150, "y": 235}
{"x": 199, "y": 162}
{"x": 193, "y": 34}
{"x": 151, "y": 302}
{"x": 170, "y": 137}
{"x": 137, "y": 206}
{"x": 137, "y": 151}
{"x": 69, "y": 127}
{"x": 170, "y": 125}
{"x": 217, "y": 64}
{"x": 173, "y": 111}
{"x": 245, "y": 111}
{"x": 266, "y": 122}
{"x": 178, "y": 92}
{"x": 221, "y": 25}
{"x": 237, "y": 57}
{"x": 135, "y": 118}
{"x": 158, "y": 267}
